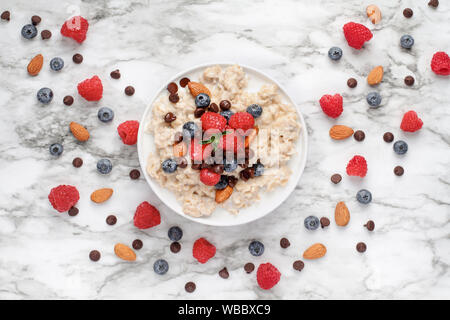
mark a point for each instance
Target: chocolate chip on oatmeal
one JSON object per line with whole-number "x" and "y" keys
{"x": 298, "y": 265}
{"x": 213, "y": 107}
{"x": 361, "y": 247}
{"x": 408, "y": 13}
{"x": 218, "y": 168}
{"x": 35, "y": 20}
{"x": 94, "y": 255}
{"x": 324, "y": 222}
{"x": 111, "y": 220}
{"x": 129, "y": 90}
{"x": 169, "y": 117}
{"x": 359, "y": 135}
{"x": 115, "y": 74}
{"x": 232, "y": 180}
{"x": 135, "y": 174}
{"x": 175, "y": 247}
{"x": 224, "y": 273}
{"x": 409, "y": 80}
{"x": 68, "y": 100}
{"x": 398, "y": 170}
{"x": 73, "y": 211}
{"x": 225, "y": 105}
{"x": 174, "y": 98}
{"x": 352, "y": 82}
{"x": 336, "y": 178}
{"x": 388, "y": 137}
{"x": 370, "y": 225}
{"x": 172, "y": 87}
{"x": 196, "y": 166}
{"x": 46, "y": 34}
{"x": 77, "y": 58}
{"x": 181, "y": 162}
{"x": 247, "y": 173}
{"x": 77, "y": 162}
{"x": 6, "y": 15}
{"x": 433, "y": 3}
{"x": 178, "y": 137}
{"x": 249, "y": 267}
{"x": 190, "y": 287}
{"x": 284, "y": 243}
{"x": 199, "y": 112}
{"x": 137, "y": 244}
{"x": 184, "y": 82}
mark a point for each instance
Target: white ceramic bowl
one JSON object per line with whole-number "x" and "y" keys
{"x": 268, "y": 201}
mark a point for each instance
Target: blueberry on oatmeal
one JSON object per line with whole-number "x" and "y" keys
{"x": 189, "y": 130}
{"x": 169, "y": 166}
{"x": 255, "y": 110}
{"x": 223, "y": 182}
{"x": 202, "y": 100}
{"x": 226, "y": 114}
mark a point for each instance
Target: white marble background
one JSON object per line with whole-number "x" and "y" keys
{"x": 44, "y": 255}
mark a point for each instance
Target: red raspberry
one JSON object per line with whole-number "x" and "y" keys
{"x": 411, "y": 122}
{"x": 356, "y": 34}
{"x": 128, "y": 131}
{"x": 440, "y": 64}
{"x": 241, "y": 120}
{"x": 212, "y": 120}
{"x": 232, "y": 141}
{"x": 357, "y": 166}
{"x": 63, "y": 197}
{"x": 203, "y": 250}
{"x": 208, "y": 177}
{"x": 267, "y": 276}
{"x": 332, "y": 105}
{"x": 91, "y": 89}
{"x": 75, "y": 28}
{"x": 146, "y": 216}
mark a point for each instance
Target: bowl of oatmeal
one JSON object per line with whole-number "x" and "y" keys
{"x": 222, "y": 144}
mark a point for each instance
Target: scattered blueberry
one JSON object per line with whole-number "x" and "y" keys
{"x": 406, "y": 41}
{"x": 230, "y": 166}
{"x": 105, "y": 114}
{"x": 56, "y": 149}
{"x": 255, "y": 110}
{"x": 202, "y": 100}
{"x": 45, "y": 95}
{"x": 256, "y": 248}
{"x": 312, "y": 223}
{"x": 56, "y": 64}
{"x": 400, "y": 147}
{"x": 175, "y": 233}
{"x": 259, "y": 169}
{"x": 223, "y": 182}
{"x": 364, "y": 196}
{"x": 104, "y": 166}
{"x": 189, "y": 130}
{"x": 161, "y": 266}
{"x": 373, "y": 99}
{"x": 29, "y": 31}
{"x": 169, "y": 166}
{"x": 335, "y": 53}
{"x": 226, "y": 114}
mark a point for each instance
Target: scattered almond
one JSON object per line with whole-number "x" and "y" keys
{"x": 316, "y": 251}
{"x": 101, "y": 195}
{"x": 79, "y": 132}
{"x": 35, "y": 65}
{"x": 124, "y": 252}
{"x": 340, "y": 132}
{"x": 374, "y": 13}
{"x": 251, "y": 136}
{"x": 179, "y": 149}
{"x": 375, "y": 76}
{"x": 341, "y": 214}
{"x": 224, "y": 194}
{"x": 196, "y": 88}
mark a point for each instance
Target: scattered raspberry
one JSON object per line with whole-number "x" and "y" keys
{"x": 146, "y": 216}
{"x": 91, "y": 89}
{"x": 208, "y": 177}
{"x": 356, "y": 34}
{"x": 63, "y": 197}
{"x": 75, "y": 28}
{"x": 267, "y": 276}
{"x": 241, "y": 120}
{"x": 213, "y": 120}
{"x": 128, "y": 131}
{"x": 440, "y": 64}
{"x": 332, "y": 105}
{"x": 357, "y": 166}
{"x": 411, "y": 122}
{"x": 232, "y": 141}
{"x": 203, "y": 250}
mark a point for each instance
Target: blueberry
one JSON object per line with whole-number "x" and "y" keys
{"x": 406, "y": 41}
{"x": 175, "y": 233}
{"x": 400, "y": 147}
{"x": 161, "y": 266}
{"x": 45, "y": 95}
{"x": 29, "y": 31}
{"x": 255, "y": 110}
{"x": 226, "y": 114}
{"x": 56, "y": 64}
{"x": 364, "y": 196}
{"x": 104, "y": 166}
{"x": 223, "y": 182}
{"x": 256, "y": 248}
{"x": 311, "y": 223}
{"x": 373, "y": 99}
{"x": 202, "y": 100}
{"x": 169, "y": 166}
{"x": 231, "y": 165}
{"x": 258, "y": 169}
{"x": 56, "y": 149}
{"x": 335, "y": 53}
{"x": 189, "y": 130}
{"x": 105, "y": 114}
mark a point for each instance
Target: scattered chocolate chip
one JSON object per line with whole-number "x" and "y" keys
{"x": 336, "y": 178}
{"x": 129, "y": 90}
{"x": 77, "y": 162}
{"x": 361, "y": 247}
{"x": 298, "y": 265}
{"x": 433, "y": 3}
{"x": 35, "y": 20}
{"x": 199, "y": 112}
{"x": 232, "y": 180}
{"x": 178, "y": 137}
{"x": 196, "y": 166}
{"x": 284, "y": 243}
{"x": 6, "y": 15}
{"x": 409, "y": 80}
{"x": 190, "y": 287}
{"x": 46, "y": 34}
{"x": 388, "y": 137}
{"x": 324, "y": 222}
{"x": 184, "y": 82}
{"x": 175, "y": 247}
{"x": 218, "y": 168}
{"x": 408, "y": 13}
{"x": 359, "y": 135}
{"x": 174, "y": 98}
{"x": 172, "y": 87}
{"x": 111, "y": 220}
{"x": 181, "y": 162}
{"x": 398, "y": 170}
{"x": 68, "y": 100}
{"x": 115, "y": 74}
{"x": 94, "y": 255}
{"x": 169, "y": 117}
{"x": 135, "y": 174}
{"x": 213, "y": 107}
{"x": 352, "y": 82}
{"x": 224, "y": 273}
{"x": 370, "y": 225}
{"x": 73, "y": 211}
{"x": 246, "y": 174}
{"x": 137, "y": 244}
{"x": 249, "y": 267}
{"x": 225, "y": 105}
{"x": 77, "y": 58}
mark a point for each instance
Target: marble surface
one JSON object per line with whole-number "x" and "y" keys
{"x": 44, "y": 255}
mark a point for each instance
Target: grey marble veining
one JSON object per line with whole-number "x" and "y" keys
{"x": 44, "y": 254}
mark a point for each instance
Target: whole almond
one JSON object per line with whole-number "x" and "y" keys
{"x": 341, "y": 214}
{"x": 374, "y": 13}
{"x": 224, "y": 194}
{"x": 101, "y": 195}
{"x": 196, "y": 88}
{"x": 124, "y": 252}
{"x": 316, "y": 251}
{"x": 340, "y": 132}
{"x": 79, "y": 132}
{"x": 375, "y": 76}
{"x": 35, "y": 65}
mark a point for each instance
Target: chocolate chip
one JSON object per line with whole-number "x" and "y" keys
{"x": 398, "y": 170}
{"x": 111, "y": 220}
{"x": 94, "y": 255}
{"x": 324, "y": 222}
{"x": 361, "y": 247}
{"x": 175, "y": 247}
{"x": 249, "y": 267}
{"x": 298, "y": 265}
{"x": 174, "y": 98}
{"x": 247, "y": 173}
{"x": 77, "y": 162}
{"x": 77, "y": 58}
{"x": 178, "y": 137}
{"x": 115, "y": 74}
{"x": 336, "y": 178}
{"x": 433, "y": 3}
{"x": 181, "y": 162}
{"x": 35, "y": 20}
{"x": 190, "y": 287}
{"x": 409, "y": 80}
{"x": 196, "y": 166}
{"x": 46, "y": 34}
{"x": 172, "y": 87}
{"x": 135, "y": 174}
{"x": 6, "y": 15}
{"x": 73, "y": 211}
{"x": 284, "y": 243}
{"x": 213, "y": 107}
{"x": 225, "y": 105}
{"x": 169, "y": 117}
{"x": 68, "y": 100}
{"x": 137, "y": 244}
{"x": 232, "y": 180}
{"x": 129, "y": 90}
{"x": 408, "y": 13}
{"x": 359, "y": 135}
{"x": 199, "y": 112}
{"x": 370, "y": 225}
{"x": 184, "y": 82}
{"x": 352, "y": 82}
{"x": 224, "y": 273}
{"x": 388, "y": 137}
{"x": 218, "y": 168}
